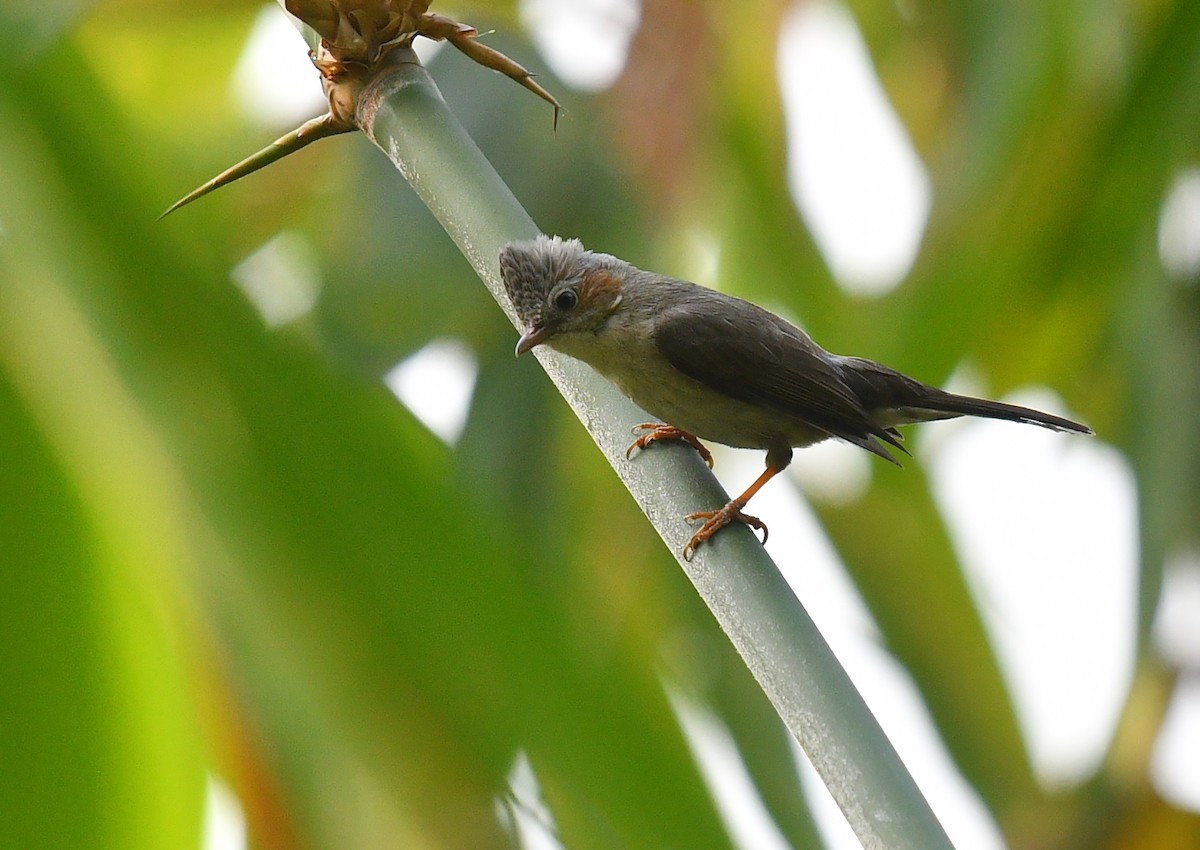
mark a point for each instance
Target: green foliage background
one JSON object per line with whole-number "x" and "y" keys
{"x": 229, "y": 548}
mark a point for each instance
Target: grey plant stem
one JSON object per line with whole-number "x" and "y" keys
{"x": 403, "y": 113}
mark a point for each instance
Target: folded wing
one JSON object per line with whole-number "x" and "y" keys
{"x": 776, "y": 365}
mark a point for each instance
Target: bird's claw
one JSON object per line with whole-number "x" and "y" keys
{"x": 656, "y": 431}
{"x": 714, "y": 521}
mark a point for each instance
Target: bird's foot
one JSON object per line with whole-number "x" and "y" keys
{"x": 655, "y": 432}
{"x": 714, "y": 521}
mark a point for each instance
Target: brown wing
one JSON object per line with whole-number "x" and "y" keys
{"x": 750, "y": 354}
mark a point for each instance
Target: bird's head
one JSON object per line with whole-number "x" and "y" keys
{"x": 559, "y": 288}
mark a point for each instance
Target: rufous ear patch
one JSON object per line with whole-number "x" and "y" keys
{"x": 599, "y": 286}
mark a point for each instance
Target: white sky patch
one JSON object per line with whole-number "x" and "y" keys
{"x": 1174, "y": 768}
{"x": 531, "y": 818}
{"x": 1177, "y": 620}
{"x": 274, "y": 82}
{"x": 224, "y": 822}
{"x": 1046, "y": 528}
{"x": 1179, "y": 226}
{"x": 436, "y": 384}
{"x": 281, "y": 279}
{"x": 1173, "y": 764}
{"x": 859, "y": 185}
{"x": 427, "y": 48}
{"x": 586, "y": 42}
{"x": 741, "y": 808}
{"x": 834, "y": 472}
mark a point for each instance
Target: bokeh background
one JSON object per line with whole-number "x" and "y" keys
{"x": 293, "y": 553}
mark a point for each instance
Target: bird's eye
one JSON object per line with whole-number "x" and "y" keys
{"x": 566, "y": 300}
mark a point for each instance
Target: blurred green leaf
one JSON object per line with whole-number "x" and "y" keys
{"x": 233, "y": 551}
{"x": 98, "y": 729}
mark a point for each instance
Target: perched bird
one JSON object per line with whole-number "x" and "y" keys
{"x": 716, "y": 367}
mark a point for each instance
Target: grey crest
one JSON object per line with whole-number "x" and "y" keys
{"x": 530, "y": 270}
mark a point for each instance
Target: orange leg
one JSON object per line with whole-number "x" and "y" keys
{"x": 714, "y": 521}
{"x": 658, "y": 432}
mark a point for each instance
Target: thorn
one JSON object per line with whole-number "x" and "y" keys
{"x": 497, "y": 61}
{"x": 302, "y": 136}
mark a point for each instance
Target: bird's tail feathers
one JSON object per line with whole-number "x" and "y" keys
{"x": 896, "y": 399}
{"x": 938, "y": 404}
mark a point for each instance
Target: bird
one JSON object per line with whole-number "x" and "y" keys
{"x": 711, "y": 366}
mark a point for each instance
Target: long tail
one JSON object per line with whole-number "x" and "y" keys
{"x": 939, "y": 401}
{"x": 896, "y": 399}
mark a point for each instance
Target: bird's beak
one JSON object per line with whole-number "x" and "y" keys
{"x": 536, "y": 335}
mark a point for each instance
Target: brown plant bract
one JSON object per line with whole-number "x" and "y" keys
{"x": 357, "y": 34}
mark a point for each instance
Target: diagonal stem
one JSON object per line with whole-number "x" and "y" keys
{"x": 404, "y": 114}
